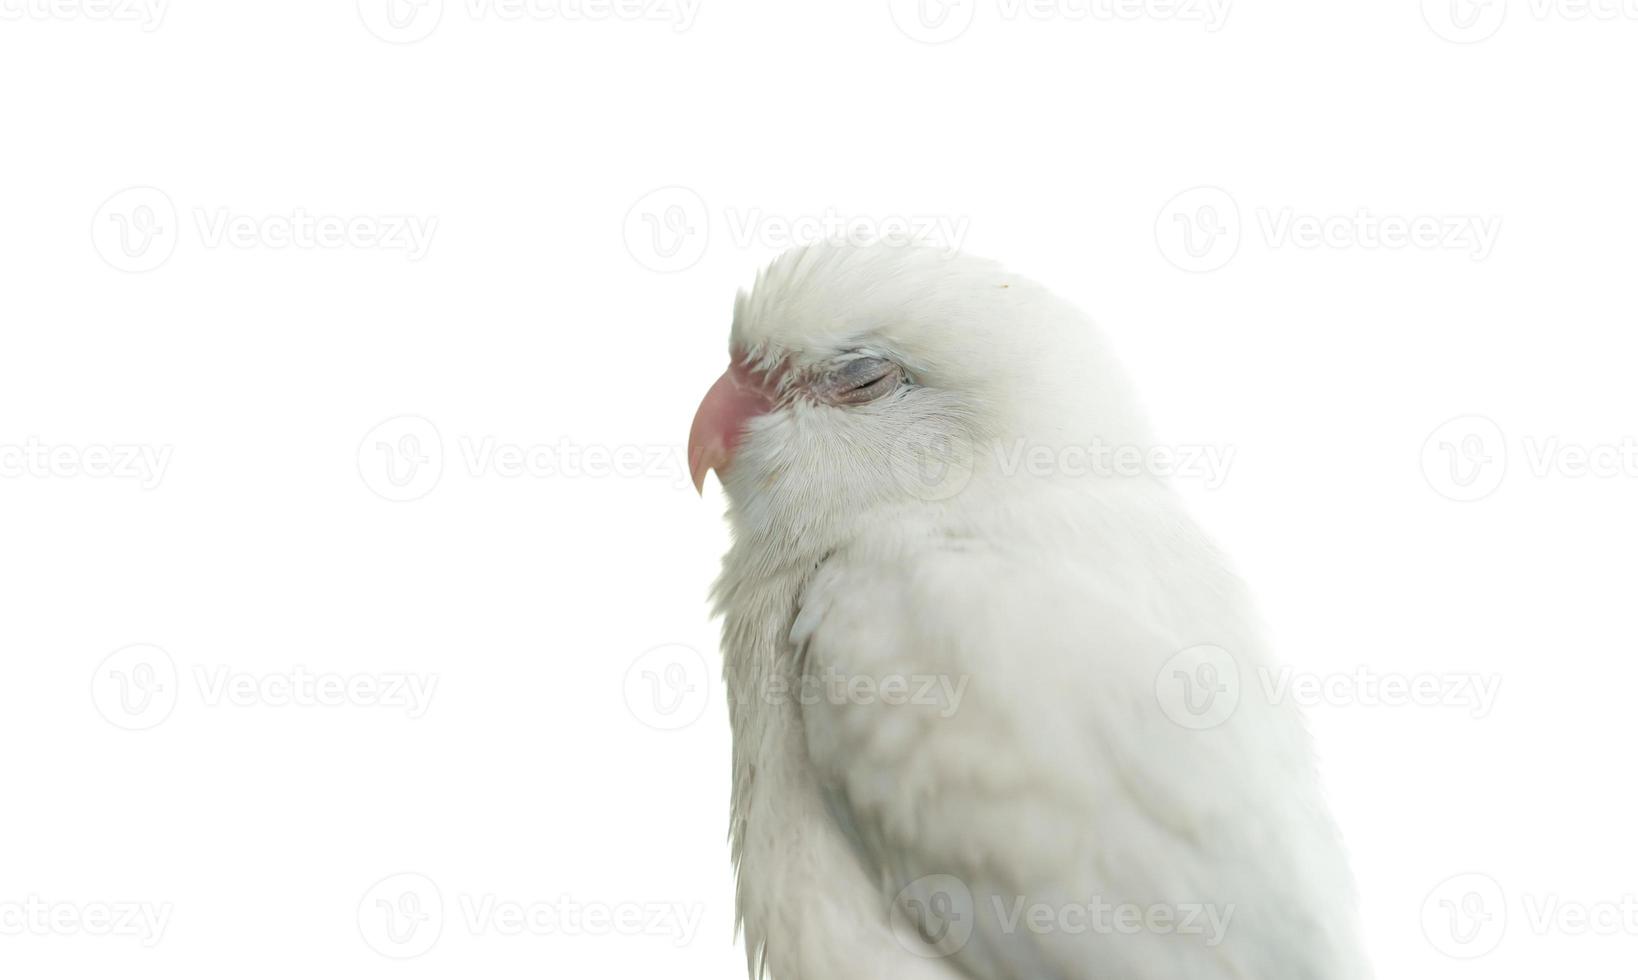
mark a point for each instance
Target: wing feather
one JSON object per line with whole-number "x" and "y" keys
{"x": 986, "y": 728}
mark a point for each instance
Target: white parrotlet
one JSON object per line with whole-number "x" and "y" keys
{"x": 987, "y": 711}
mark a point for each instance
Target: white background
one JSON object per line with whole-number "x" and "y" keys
{"x": 557, "y": 305}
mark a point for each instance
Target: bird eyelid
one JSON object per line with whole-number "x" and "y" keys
{"x": 862, "y": 378}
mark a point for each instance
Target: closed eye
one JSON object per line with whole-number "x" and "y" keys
{"x": 882, "y": 375}
{"x": 861, "y": 380}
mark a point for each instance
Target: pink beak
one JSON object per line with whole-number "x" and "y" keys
{"x": 720, "y": 421}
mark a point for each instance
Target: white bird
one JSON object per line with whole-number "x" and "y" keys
{"x": 993, "y": 704}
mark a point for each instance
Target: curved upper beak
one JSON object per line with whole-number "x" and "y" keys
{"x": 720, "y": 421}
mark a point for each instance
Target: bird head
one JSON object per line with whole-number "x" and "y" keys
{"x": 888, "y": 377}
